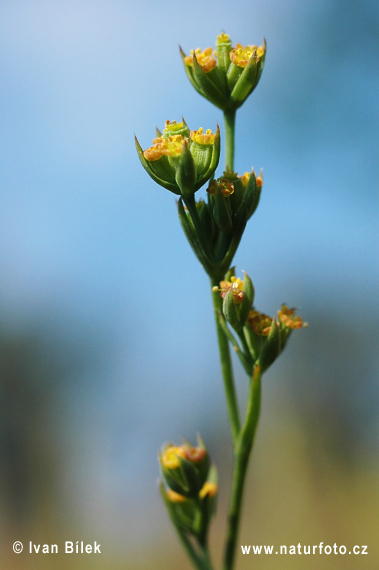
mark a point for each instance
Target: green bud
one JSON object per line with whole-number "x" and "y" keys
{"x": 271, "y": 347}
{"x": 186, "y": 172}
{"x": 248, "y": 299}
{"x": 185, "y": 468}
{"x": 230, "y": 311}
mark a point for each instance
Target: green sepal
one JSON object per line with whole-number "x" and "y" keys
{"x": 223, "y": 55}
{"x": 190, "y": 74}
{"x": 285, "y": 333}
{"x": 231, "y": 312}
{"x": 159, "y": 170}
{"x": 252, "y": 195}
{"x": 248, "y": 299}
{"x": 254, "y": 342}
{"x": 271, "y": 347}
{"x": 206, "y": 220}
{"x": 193, "y": 238}
{"x": 246, "y": 82}
{"x": 192, "y": 477}
{"x": 208, "y": 504}
{"x": 249, "y": 202}
{"x": 174, "y": 479}
{"x": 222, "y": 213}
{"x": 181, "y": 514}
{"x": 206, "y": 158}
{"x": 208, "y": 88}
{"x": 230, "y": 273}
{"x": 186, "y": 171}
{"x": 261, "y": 63}
{"x": 233, "y": 74}
{"x": 238, "y": 194}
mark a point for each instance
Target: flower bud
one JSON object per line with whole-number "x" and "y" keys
{"x": 185, "y": 468}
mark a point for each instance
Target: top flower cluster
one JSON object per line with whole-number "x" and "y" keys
{"x": 228, "y": 75}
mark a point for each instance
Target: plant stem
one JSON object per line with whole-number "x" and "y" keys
{"x": 242, "y": 454}
{"x": 229, "y": 125}
{"x": 226, "y": 366}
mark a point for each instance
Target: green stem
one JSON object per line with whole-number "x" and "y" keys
{"x": 229, "y": 124}
{"x": 242, "y": 454}
{"x": 206, "y": 563}
{"x": 226, "y": 365}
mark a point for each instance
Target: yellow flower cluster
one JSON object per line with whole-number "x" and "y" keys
{"x": 173, "y": 452}
{"x": 205, "y": 59}
{"x": 240, "y": 55}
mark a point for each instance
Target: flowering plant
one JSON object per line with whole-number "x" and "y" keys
{"x": 183, "y": 161}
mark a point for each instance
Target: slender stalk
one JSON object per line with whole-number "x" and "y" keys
{"x": 226, "y": 366}
{"x": 242, "y": 454}
{"x": 229, "y": 125}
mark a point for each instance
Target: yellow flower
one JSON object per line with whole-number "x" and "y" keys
{"x": 236, "y": 286}
{"x": 204, "y": 58}
{"x": 241, "y": 55}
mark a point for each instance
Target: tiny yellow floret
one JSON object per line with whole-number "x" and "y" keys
{"x": 208, "y": 488}
{"x": 204, "y": 58}
{"x": 236, "y": 286}
{"x": 203, "y": 138}
{"x": 223, "y": 38}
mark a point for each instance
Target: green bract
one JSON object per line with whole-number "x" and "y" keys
{"x": 181, "y": 160}
{"x": 227, "y": 77}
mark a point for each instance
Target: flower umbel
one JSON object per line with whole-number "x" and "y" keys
{"x": 227, "y": 76}
{"x": 181, "y": 160}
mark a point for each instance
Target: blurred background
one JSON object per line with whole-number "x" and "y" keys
{"x": 107, "y": 341}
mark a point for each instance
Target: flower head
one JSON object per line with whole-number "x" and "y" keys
{"x": 181, "y": 160}
{"x": 227, "y": 76}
